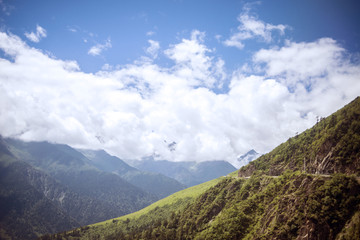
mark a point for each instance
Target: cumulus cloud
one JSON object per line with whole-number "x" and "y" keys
{"x": 99, "y": 48}
{"x": 251, "y": 27}
{"x": 36, "y": 36}
{"x": 318, "y": 70}
{"x": 137, "y": 109}
{"x": 193, "y": 62}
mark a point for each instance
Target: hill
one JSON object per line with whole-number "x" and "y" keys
{"x": 274, "y": 197}
{"x": 156, "y": 212}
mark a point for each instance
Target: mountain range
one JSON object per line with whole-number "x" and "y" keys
{"x": 306, "y": 188}
{"x": 43, "y": 182}
{"x": 189, "y": 173}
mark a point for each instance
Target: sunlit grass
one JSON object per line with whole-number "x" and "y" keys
{"x": 189, "y": 193}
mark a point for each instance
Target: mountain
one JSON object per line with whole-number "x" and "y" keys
{"x": 246, "y": 158}
{"x": 26, "y": 212}
{"x": 306, "y": 188}
{"x": 155, "y": 183}
{"x": 187, "y": 173}
{"x": 74, "y": 170}
{"x": 46, "y": 188}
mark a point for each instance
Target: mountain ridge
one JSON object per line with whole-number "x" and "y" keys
{"x": 154, "y": 183}
{"x": 188, "y": 173}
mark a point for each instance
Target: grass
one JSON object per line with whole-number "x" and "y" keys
{"x": 157, "y": 211}
{"x": 189, "y": 193}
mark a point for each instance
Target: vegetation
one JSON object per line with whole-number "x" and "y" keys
{"x": 162, "y": 209}
{"x": 262, "y": 207}
{"x": 24, "y": 212}
{"x": 98, "y": 195}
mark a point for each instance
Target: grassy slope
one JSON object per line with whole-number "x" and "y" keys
{"x": 157, "y": 211}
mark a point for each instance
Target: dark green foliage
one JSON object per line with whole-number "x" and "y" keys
{"x": 103, "y": 195}
{"x": 262, "y": 208}
{"x": 47, "y": 188}
{"x": 25, "y": 213}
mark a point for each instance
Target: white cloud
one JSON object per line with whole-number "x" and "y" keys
{"x": 318, "y": 70}
{"x": 153, "y": 49}
{"x": 132, "y": 109}
{"x": 36, "y": 36}
{"x": 251, "y": 27}
{"x": 98, "y": 48}
{"x": 193, "y": 63}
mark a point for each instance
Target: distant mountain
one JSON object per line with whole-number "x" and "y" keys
{"x": 155, "y": 183}
{"x": 246, "y": 158}
{"x": 187, "y": 173}
{"x": 105, "y": 162}
{"x": 306, "y": 188}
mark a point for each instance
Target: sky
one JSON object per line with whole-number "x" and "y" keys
{"x": 180, "y": 80}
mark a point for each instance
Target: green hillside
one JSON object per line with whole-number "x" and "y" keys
{"x": 157, "y": 211}
{"x": 306, "y": 188}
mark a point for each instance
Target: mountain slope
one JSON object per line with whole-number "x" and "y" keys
{"x": 279, "y": 200}
{"x": 25, "y": 212}
{"x": 293, "y": 206}
{"x": 155, "y": 183}
{"x": 187, "y": 173}
{"x": 113, "y": 195}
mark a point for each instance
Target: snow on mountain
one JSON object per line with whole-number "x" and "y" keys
{"x": 246, "y": 158}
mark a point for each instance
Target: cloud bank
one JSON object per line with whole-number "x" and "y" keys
{"x": 137, "y": 109}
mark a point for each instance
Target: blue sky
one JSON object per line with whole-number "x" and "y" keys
{"x": 130, "y": 24}
{"x": 217, "y": 77}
